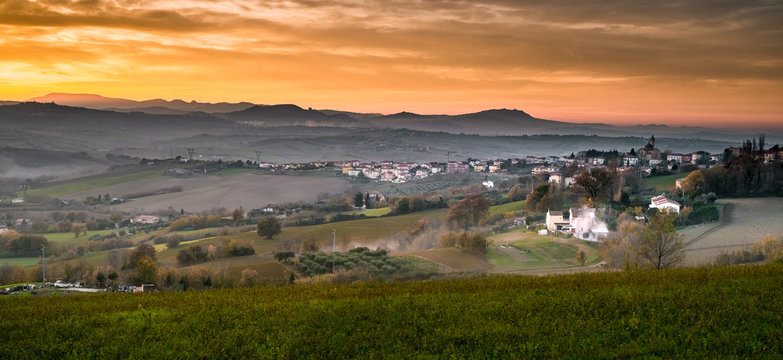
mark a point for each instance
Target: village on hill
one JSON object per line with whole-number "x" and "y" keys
{"x": 589, "y": 196}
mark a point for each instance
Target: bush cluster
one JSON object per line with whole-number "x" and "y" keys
{"x": 376, "y": 262}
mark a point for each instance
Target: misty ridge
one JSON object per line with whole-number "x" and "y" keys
{"x": 62, "y": 134}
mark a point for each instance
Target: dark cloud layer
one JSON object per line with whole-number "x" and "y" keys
{"x": 586, "y": 53}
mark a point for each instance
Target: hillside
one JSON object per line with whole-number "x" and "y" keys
{"x": 685, "y": 313}
{"x": 160, "y": 106}
{"x": 488, "y": 122}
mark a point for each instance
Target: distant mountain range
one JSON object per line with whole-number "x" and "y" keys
{"x": 286, "y": 133}
{"x": 156, "y": 106}
{"x": 490, "y": 122}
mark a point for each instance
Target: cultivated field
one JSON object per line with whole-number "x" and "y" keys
{"x": 744, "y": 222}
{"x": 203, "y": 193}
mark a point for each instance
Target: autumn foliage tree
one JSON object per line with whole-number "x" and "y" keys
{"x": 544, "y": 197}
{"x": 268, "y": 227}
{"x": 468, "y": 212}
{"x": 469, "y": 242}
{"x": 596, "y": 185}
{"x": 140, "y": 252}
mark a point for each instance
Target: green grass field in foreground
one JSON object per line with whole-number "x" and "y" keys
{"x": 77, "y": 186}
{"x": 717, "y": 312}
{"x": 663, "y": 183}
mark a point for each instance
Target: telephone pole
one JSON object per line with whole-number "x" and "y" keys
{"x": 334, "y": 240}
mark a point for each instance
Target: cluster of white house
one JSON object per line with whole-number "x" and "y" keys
{"x": 585, "y": 225}
{"x": 582, "y": 223}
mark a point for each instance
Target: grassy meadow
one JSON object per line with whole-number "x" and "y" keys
{"x": 717, "y": 312}
{"x": 522, "y": 250}
{"x": 507, "y": 208}
{"x": 663, "y": 183}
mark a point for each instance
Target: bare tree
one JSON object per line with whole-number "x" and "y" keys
{"x": 661, "y": 246}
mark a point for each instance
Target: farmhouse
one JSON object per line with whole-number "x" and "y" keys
{"x": 17, "y": 201}
{"x": 270, "y": 208}
{"x": 488, "y": 184}
{"x": 662, "y": 203}
{"x": 586, "y": 226}
{"x": 582, "y": 222}
{"x": 3, "y": 229}
{"x": 145, "y": 219}
{"x": 555, "y": 222}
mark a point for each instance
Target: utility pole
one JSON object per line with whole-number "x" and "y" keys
{"x": 43, "y": 261}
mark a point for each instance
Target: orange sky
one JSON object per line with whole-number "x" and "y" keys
{"x": 614, "y": 61}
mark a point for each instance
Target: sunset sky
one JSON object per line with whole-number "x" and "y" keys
{"x": 616, "y": 61}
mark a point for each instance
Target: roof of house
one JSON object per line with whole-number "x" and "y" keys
{"x": 662, "y": 199}
{"x": 556, "y": 213}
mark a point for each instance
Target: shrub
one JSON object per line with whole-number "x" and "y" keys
{"x": 173, "y": 241}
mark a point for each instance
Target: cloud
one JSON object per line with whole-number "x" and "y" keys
{"x": 499, "y": 53}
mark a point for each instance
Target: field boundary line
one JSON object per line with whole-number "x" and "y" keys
{"x": 723, "y": 222}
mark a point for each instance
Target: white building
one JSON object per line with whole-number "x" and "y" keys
{"x": 630, "y": 160}
{"x": 674, "y": 158}
{"x": 586, "y": 226}
{"x": 145, "y": 219}
{"x": 488, "y": 184}
{"x": 664, "y": 204}
{"x": 555, "y": 221}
